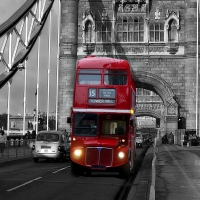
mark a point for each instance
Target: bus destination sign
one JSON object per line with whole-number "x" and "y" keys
{"x": 101, "y": 101}
{"x": 107, "y": 93}
{"x": 104, "y": 96}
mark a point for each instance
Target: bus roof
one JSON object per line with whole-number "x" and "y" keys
{"x": 102, "y": 62}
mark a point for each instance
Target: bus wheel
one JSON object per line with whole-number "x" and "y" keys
{"x": 88, "y": 172}
{"x": 76, "y": 169}
{"x": 125, "y": 171}
{"x": 35, "y": 160}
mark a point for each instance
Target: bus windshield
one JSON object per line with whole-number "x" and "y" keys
{"x": 116, "y": 127}
{"x": 85, "y": 124}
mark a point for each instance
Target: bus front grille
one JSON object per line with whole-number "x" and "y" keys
{"x": 99, "y": 156}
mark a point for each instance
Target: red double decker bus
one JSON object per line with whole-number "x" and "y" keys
{"x": 103, "y": 121}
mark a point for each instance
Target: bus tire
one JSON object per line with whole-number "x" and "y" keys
{"x": 76, "y": 169}
{"x": 88, "y": 172}
{"x": 36, "y": 160}
{"x": 125, "y": 171}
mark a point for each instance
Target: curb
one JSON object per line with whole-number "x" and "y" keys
{"x": 153, "y": 174}
{"x": 153, "y": 179}
{"x": 142, "y": 180}
{"x": 14, "y": 159}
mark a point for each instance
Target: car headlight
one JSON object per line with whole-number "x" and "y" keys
{"x": 121, "y": 155}
{"x": 77, "y": 152}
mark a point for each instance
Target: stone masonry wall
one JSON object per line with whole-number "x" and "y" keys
{"x": 68, "y": 57}
{"x": 190, "y": 62}
{"x": 177, "y": 70}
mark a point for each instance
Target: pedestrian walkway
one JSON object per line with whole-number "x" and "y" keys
{"x": 15, "y": 152}
{"x": 177, "y": 173}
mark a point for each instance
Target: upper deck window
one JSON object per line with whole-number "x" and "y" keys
{"x": 115, "y": 77}
{"x": 89, "y": 77}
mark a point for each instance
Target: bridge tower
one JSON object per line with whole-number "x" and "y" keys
{"x": 190, "y": 112}
{"x": 68, "y": 57}
{"x": 165, "y": 64}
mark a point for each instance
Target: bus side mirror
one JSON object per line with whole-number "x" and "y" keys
{"x": 131, "y": 122}
{"x": 69, "y": 120}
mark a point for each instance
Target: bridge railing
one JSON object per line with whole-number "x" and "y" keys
{"x": 17, "y": 149}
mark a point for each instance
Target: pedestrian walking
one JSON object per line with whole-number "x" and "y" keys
{"x": 27, "y": 135}
{"x": 3, "y": 140}
{"x": 33, "y": 134}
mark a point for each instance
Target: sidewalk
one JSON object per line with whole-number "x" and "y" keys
{"x": 177, "y": 173}
{"x": 15, "y": 153}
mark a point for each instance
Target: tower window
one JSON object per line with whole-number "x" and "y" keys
{"x": 172, "y": 34}
{"x": 130, "y": 29}
{"x": 157, "y": 32}
{"x": 104, "y": 32}
{"x": 88, "y": 32}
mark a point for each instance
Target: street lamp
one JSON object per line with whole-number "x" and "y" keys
{"x": 34, "y": 112}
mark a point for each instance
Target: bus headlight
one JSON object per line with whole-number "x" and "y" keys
{"x": 121, "y": 155}
{"x": 77, "y": 152}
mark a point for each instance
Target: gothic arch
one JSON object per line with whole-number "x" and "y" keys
{"x": 157, "y": 84}
{"x": 173, "y": 15}
{"x": 149, "y": 113}
{"x": 169, "y": 116}
{"x": 88, "y": 17}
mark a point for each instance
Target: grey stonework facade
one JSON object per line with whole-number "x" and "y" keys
{"x": 158, "y": 38}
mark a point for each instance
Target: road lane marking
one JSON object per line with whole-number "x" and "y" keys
{"x": 23, "y": 184}
{"x": 182, "y": 170}
{"x": 61, "y": 169}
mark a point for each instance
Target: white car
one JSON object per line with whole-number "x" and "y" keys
{"x": 51, "y": 145}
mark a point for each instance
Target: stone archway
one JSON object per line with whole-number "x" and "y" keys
{"x": 169, "y": 116}
{"x": 150, "y": 113}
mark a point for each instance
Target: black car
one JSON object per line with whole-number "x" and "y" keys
{"x": 194, "y": 142}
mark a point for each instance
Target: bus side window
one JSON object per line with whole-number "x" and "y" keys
{"x": 113, "y": 127}
{"x": 119, "y": 131}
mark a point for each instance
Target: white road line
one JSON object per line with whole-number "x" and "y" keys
{"x": 34, "y": 180}
{"x": 61, "y": 169}
{"x": 24, "y": 184}
{"x": 182, "y": 170}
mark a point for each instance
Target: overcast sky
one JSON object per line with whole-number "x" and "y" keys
{"x": 7, "y": 8}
